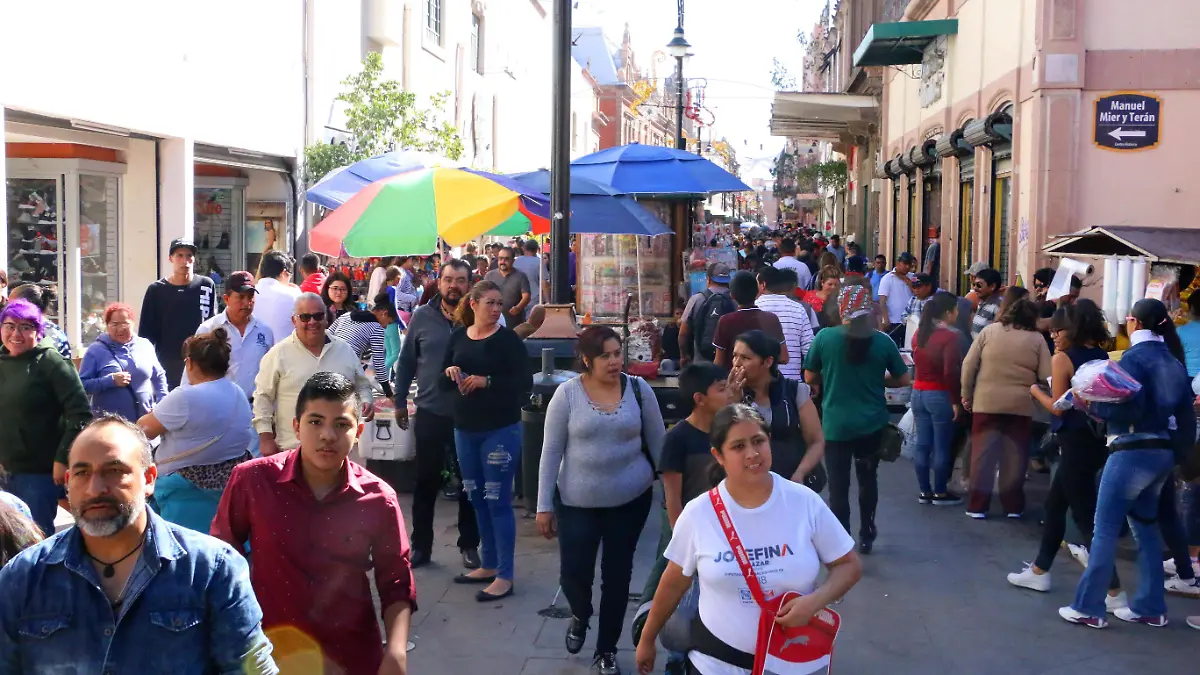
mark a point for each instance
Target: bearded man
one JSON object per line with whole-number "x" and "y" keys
{"x": 433, "y": 427}
{"x": 124, "y": 591}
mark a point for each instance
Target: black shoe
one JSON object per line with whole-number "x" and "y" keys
{"x": 606, "y": 664}
{"x": 925, "y": 498}
{"x": 464, "y": 579}
{"x": 484, "y": 596}
{"x": 418, "y": 559}
{"x": 865, "y": 546}
{"x": 224, "y": 243}
{"x": 576, "y": 634}
{"x": 947, "y": 499}
{"x": 470, "y": 558}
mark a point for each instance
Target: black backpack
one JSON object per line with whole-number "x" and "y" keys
{"x": 704, "y": 319}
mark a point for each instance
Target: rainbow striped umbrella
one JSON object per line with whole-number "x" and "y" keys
{"x": 405, "y": 214}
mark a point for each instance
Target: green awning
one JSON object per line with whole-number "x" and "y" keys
{"x": 900, "y": 43}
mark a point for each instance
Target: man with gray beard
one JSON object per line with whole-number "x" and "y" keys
{"x": 124, "y": 591}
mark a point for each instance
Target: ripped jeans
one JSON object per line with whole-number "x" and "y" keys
{"x": 488, "y": 460}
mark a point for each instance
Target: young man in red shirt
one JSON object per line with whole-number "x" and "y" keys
{"x": 315, "y": 522}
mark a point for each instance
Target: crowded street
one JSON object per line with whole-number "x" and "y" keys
{"x": 617, "y": 337}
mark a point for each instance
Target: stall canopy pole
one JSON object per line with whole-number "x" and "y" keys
{"x": 638, "y": 246}
{"x": 560, "y": 162}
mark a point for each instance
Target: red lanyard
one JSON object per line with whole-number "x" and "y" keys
{"x": 739, "y": 551}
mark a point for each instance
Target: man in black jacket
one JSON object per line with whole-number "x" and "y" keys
{"x": 421, "y": 358}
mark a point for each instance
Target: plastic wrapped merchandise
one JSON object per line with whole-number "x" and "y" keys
{"x": 1103, "y": 381}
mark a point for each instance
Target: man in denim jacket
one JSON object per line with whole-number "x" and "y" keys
{"x": 124, "y": 591}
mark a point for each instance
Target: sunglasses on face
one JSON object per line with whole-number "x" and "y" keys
{"x": 317, "y": 317}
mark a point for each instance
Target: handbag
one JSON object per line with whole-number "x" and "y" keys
{"x": 787, "y": 650}
{"x": 891, "y": 443}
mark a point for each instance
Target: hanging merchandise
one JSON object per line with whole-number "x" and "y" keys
{"x": 1164, "y": 286}
{"x": 613, "y": 265}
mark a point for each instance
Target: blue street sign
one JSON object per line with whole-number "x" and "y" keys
{"x": 1127, "y": 121}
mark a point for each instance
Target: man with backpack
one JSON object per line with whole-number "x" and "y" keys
{"x": 703, "y": 311}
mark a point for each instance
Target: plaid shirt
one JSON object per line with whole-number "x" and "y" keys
{"x": 985, "y": 315}
{"x": 914, "y": 307}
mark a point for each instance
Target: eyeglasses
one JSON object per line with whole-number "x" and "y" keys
{"x": 316, "y": 317}
{"x": 26, "y": 328}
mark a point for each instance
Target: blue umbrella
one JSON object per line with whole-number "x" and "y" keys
{"x": 653, "y": 170}
{"x": 339, "y": 185}
{"x": 598, "y": 208}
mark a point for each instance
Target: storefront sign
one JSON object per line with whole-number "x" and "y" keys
{"x": 1127, "y": 121}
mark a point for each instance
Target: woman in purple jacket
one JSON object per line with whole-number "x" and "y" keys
{"x": 120, "y": 371}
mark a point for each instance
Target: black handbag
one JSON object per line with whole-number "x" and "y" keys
{"x": 890, "y": 443}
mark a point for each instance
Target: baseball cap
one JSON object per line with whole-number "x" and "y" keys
{"x": 181, "y": 243}
{"x": 976, "y": 268}
{"x": 718, "y": 272}
{"x": 240, "y": 282}
{"x": 925, "y": 280}
{"x": 856, "y": 264}
{"x": 906, "y": 257}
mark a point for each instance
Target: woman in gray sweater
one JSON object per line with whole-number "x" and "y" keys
{"x": 604, "y": 433}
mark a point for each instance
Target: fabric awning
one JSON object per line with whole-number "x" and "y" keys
{"x": 901, "y": 42}
{"x": 1157, "y": 244}
{"x": 825, "y": 116}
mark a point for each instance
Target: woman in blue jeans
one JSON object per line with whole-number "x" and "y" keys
{"x": 1142, "y": 456}
{"x": 488, "y": 365}
{"x": 937, "y": 365}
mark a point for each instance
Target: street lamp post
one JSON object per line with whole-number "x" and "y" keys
{"x": 678, "y": 47}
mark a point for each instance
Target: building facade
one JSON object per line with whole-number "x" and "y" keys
{"x": 999, "y": 127}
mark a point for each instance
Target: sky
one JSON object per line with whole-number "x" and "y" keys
{"x": 733, "y": 43}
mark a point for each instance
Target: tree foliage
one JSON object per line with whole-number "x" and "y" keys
{"x": 828, "y": 175}
{"x": 380, "y": 117}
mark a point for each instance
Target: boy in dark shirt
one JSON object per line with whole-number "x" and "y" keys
{"x": 685, "y": 462}
{"x": 174, "y": 307}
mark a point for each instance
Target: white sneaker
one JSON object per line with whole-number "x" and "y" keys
{"x": 1170, "y": 570}
{"x": 1194, "y": 622}
{"x": 1027, "y": 578}
{"x": 1126, "y": 614}
{"x": 1114, "y": 602}
{"x": 1080, "y": 553}
{"x": 1068, "y": 613}
{"x": 977, "y": 515}
{"x": 1178, "y": 586}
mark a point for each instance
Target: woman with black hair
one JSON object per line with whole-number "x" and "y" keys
{"x": 336, "y": 295}
{"x": 1079, "y": 332}
{"x": 1010, "y": 356}
{"x": 797, "y": 441}
{"x": 1152, "y": 431}
{"x": 937, "y": 363}
{"x": 850, "y": 366}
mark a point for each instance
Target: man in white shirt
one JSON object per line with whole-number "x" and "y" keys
{"x": 289, "y": 364}
{"x": 787, "y": 261}
{"x": 778, "y": 287}
{"x": 276, "y": 293}
{"x": 895, "y": 290}
{"x": 249, "y": 338}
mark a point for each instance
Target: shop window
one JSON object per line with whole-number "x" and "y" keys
{"x": 35, "y": 228}
{"x": 98, "y": 228}
{"x": 433, "y": 19}
{"x": 218, "y": 233}
{"x": 966, "y": 238}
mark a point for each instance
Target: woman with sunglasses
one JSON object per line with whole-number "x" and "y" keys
{"x": 1079, "y": 334}
{"x": 1152, "y": 431}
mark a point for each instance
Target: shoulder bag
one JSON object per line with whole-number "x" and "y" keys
{"x": 637, "y": 396}
{"x": 786, "y": 651}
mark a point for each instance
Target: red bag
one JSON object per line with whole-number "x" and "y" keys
{"x": 789, "y": 651}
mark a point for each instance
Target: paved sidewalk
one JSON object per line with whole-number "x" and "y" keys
{"x": 933, "y": 599}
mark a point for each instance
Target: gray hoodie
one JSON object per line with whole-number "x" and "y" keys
{"x": 421, "y": 357}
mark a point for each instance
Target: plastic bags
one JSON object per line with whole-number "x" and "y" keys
{"x": 1103, "y": 381}
{"x": 908, "y": 425}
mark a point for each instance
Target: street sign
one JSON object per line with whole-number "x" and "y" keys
{"x": 1127, "y": 121}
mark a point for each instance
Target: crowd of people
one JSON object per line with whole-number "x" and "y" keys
{"x": 240, "y": 424}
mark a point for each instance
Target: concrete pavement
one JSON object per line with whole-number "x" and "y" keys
{"x": 933, "y": 598}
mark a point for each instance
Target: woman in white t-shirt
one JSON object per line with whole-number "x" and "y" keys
{"x": 788, "y": 534}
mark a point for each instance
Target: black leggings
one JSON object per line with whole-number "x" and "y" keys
{"x": 1073, "y": 487}
{"x": 863, "y": 453}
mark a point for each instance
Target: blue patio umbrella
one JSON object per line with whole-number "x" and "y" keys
{"x": 598, "y": 208}
{"x": 339, "y": 185}
{"x": 637, "y": 169}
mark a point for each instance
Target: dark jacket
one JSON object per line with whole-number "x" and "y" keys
{"x": 787, "y": 438}
{"x": 1166, "y": 393}
{"x": 421, "y": 358}
{"x": 43, "y": 407}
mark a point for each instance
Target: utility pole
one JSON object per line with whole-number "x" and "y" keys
{"x": 560, "y": 160}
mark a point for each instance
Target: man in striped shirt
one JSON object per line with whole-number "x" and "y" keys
{"x": 778, "y": 286}
{"x": 987, "y": 289}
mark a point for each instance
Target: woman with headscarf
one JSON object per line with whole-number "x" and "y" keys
{"x": 850, "y": 366}
{"x": 43, "y": 407}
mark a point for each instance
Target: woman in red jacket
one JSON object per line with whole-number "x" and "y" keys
{"x": 937, "y": 362}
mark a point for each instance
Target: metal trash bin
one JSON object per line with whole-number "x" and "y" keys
{"x": 533, "y": 425}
